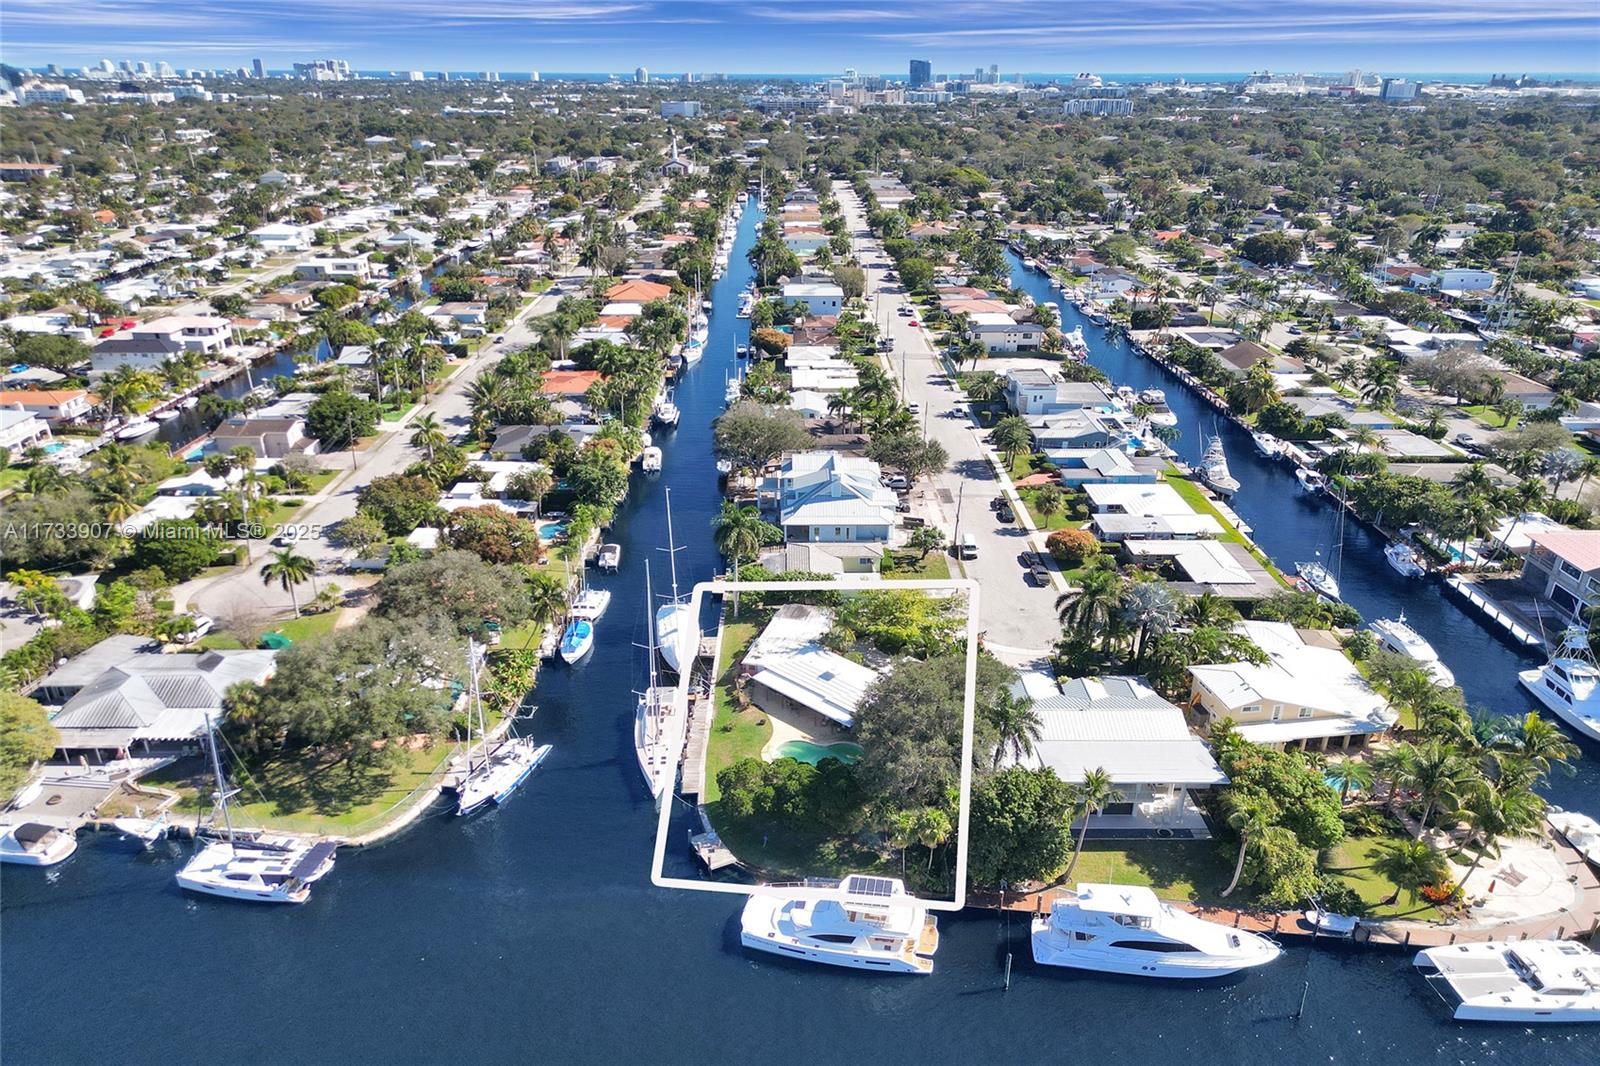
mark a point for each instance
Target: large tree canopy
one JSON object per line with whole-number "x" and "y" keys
{"x": 456, "y": 586}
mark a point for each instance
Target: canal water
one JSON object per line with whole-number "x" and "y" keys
{"x": 533, "y": 934}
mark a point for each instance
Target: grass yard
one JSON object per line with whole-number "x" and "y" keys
{"x": 735, "y": 734}
{"x": 304, "y": 793}
{"x": 11, "y": 477}
{"x": 1195, "y": 871}
{"x": 1062, "y": 519}
{"x": 935, "y": 566}
{"x": 778, "y": 854}
{"x": 307, "y": 626}
{"x": 1196, "y": 499}
{"x": 1351, "y": 861}
{"x": 1484, "y": 414}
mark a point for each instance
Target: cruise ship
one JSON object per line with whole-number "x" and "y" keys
{"x": 1544, "y": 981}
{"x": 1125, "y": 929}
{"x": 861, "y": 922}
{"x": 1569, "y": 684}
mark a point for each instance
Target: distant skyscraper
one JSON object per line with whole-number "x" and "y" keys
{"x": 107, "y": 67}
{"x": 413, "y": 75}
{"x": 921, "y": 73}
{"x": 641, "y": 76}
{"x": 533, "y": 75}
{"x": 258, "y": 68}
{"x": 164, "y": 70}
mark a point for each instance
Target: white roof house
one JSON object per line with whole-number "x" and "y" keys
{"x": 788, "y": 661}
{"x": 1306, "y": 694}
{"x": 1146, "y": 511}
{"x": 824, "y": 496}
{"x": 821, "y": 297}
{"x": 282, "y": 237}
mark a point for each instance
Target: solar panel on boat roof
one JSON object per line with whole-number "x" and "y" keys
{"x": 869, "y": 886}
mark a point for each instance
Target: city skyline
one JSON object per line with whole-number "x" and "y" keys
{"x": 1471, "y": 37}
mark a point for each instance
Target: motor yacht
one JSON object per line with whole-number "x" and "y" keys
{"x": 862, "y": 922}
{"x": 576, "y": 640}
{"x": 1312, "y": 481}
{"x": 1125, "y": 929}
{"x": 650, "y": 460}
{"x": 1405, "y": 559}
{"x": 1569, "y": 684}
{"x": 666, "y": 413}
{"x": 1320, "y": 578}
{"x": 1396, "y": 636}
{"x": 1522, "y": 982}
{"x": 1073, "y": 344}
{"x": 36, "y": 844}
{"x": 137, "y": 429}
{"x": 1267, "y": 444}
{"x": 1126, "y": 394}
{"x": 1214, "y": 469}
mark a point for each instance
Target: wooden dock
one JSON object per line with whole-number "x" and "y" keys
{"x": 701, "y": 712}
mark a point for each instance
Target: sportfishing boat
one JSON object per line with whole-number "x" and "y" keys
{"x": 166, "y": 416}
{"x": 591, "y": 604}
{"x": 659, "y": 719}
{"x": 261, "y": 869}
{"x": 1578, "y": 830}
{"x": 609, "y": 558}
{"x": 1214, "y": 469}
{"x": 1073, "y": 344}
{"x": 1267, "y": 444}
{"x": 1523, "y": 981}
{"x": 1396, "y": 636}
{"x": 862, "y": 922}
{"x": 676, "y": 631}
{"x": 1405, "y": 559}
{"x": 1312, "y": 481}
{"x": 1569, "y": 684}
{"x": 36, "y": 844}
{"x": 666, "y": 412}
{"x": 1320, "y": 578}
{"x": 1125, "y": 929}
{"x": 494, "y": 774}
{"x": 650, "y": 460}
{"x": 576, "y": 640}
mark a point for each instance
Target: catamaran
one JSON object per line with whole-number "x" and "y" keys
{"x": 676, "y": 631}
{"x": 1526, "y": 981}
{"x": 1396, "y": 636}
{"x": 261, "y": 870}
{"x": 862, "y": 922}
{"x": 492, "y": 776}
{"x": 1569, "y": 684}
{"x": 1214, "y": 469}
{"x": 658, "y": 718}
{"x": 1125, "y": 929}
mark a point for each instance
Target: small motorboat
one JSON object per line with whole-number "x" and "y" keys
{"x": 1405, "y": 559}
{"x": 1311, "y": 481}
{"x": 610, "y": 558}
{"x": 666, "y": 413}
{"x": 140, "y": 830}
{"x": 576, "y": 640}
{"x": 189, "y": 404}
{"x": 650, "y": 460}
{"x": 1325, "y": 923}
{"x": 724, "y": 467}
{"x": 36, "y": 844}
{"x": 1320, "y": 578}
{"x": 166, "y": 416}
{"x": 1267, "y": 444}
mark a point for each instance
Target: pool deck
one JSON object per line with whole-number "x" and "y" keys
{"x": 790, "y": 725}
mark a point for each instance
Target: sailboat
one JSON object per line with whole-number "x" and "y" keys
{"x": 1319, "y": 577}
{"x": 578, "y": 636}
{"x": 676, "y": 632}
{"x": 261, "y": 870}
{"x": 494, "y": 775}
{"x": 658, "y": 718}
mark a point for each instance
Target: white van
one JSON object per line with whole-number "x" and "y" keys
{"x": 966, "y": 547}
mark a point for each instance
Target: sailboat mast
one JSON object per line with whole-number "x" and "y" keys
{"x": 216, "y": 769}
{"x": 650, "y": 644}
{"x": 476, "y": 710}
{"x": 672, "y": 548}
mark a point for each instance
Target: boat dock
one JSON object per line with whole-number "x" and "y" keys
{"x": 1491, "y": 610}
{"x": 710, "y": 850}
{"x": 701, "y": 711}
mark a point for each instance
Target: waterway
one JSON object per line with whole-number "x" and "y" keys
{"x": 533, "y": 934}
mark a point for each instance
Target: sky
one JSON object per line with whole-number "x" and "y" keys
{"x": 817, "y": 36}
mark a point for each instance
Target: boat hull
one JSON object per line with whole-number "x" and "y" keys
{"x": 792, "y": 949}
{"x": 1047, "y": 951}
{"x": 1588, "y": 727}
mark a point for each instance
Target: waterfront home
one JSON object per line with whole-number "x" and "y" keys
{"x": 408, "y": 238}
{"x": 123, "y": 696}
{"x": 20, "y": 429}
{"x": 354, "y": 268}
{"x": 820, "y": 298}
{"x": 1036, "y": 391}
{"x": 1076, "y": 467}
{"x": 569, "y": 384}
{"x": 1218, "y": 567}
{"x": 1146, "y": 511}
{"x": 1120, "y": 725}
{"x": 1307, "y": 695}
{"x": 271, "y": 432}
{"x": 206, "y": 334}
{"x": 637, "y": 291}
{"x": 788, "y": 669}
{"x": 54, "y": 406}
{"x": 1237, "y": 359}
{"x": 474, "y": 313}
{"x": 280, "y": 238}
{"x": 143, "y": 352}
{"x": 997, "y": 331}
{"x": 823, "y": 557}
{"x": 825, "y": 496}
{"x": 1075, "y": 430}
{"x": 1562, "y": 572}
{"x": 510, "y": 442}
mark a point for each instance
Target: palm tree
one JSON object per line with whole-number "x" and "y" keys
{"x": 1539, "y": 741}
{"x": 1380, "y": 382}
{"x": 1409, "y": 865}
{"x": 1208, "y": 609}
{"x": 1473, "y": 479}
{"x": 1440, "y": 776}
{"x": 1012, "y": 435}
{"x": 1153, "y": 608}
{"x": 44, "y": 479}
{"x": 1349, "y": 773}
{"x": 429, "y": 434}
{"x": 1526, "y": 496}
{"x": 1394, "y": 765}
{"x": 1560, "y": 466}
{"x": 931, "y": 828}
{"x": 1017, "y": 726}
{"x": 1493, "y": 814}
{"x": 288, "y": 569}
{"x": 1250, "y": 819}
{"x": 1091, "y": 797}
{"x": 738, "y": 532}
{"x": 1092, "y": 604}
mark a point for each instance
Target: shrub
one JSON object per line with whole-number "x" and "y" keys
{"x": 1072, "y": 547}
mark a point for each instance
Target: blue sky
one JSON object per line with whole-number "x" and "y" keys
{"x": 817, "y": 36}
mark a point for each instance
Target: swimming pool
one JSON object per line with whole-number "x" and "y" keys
{"x": 552, "y": 530}
{"x": 53, "y": 447}
{"x": 805, "y": 751}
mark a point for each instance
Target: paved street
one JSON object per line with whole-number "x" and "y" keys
{"x": 1018, "y": 616}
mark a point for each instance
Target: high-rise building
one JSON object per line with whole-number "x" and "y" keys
{"x": 107, "y": 67}
{"x": 641, "y": 76}
{"x": 1398, "y": 90}
{"x": 164, "y": 70}
{"x": 533, "y": 75}
{"x": 413, "y": 75}
{"x": 258, "y": 68}
{"x": 921, "y": 73}
{"x": 142, "y": 67}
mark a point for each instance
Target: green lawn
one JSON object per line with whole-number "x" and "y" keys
{"x": 11, "y": 477}
{"x": 305, "y": 792}
{"x": 1195, "y": 871}
{"x": 1351, "y": 861}
{"x": 319, "y": 481}
{"x": 1194, "y": 498}
{"x": 525, "y": 637}
{"x": 1062, "y": 519}
{"x": 308, "y": 625}
{"x": 907, "y": 567}
{"x": 735, "y": 734}
{"x": 1484, "y": 414}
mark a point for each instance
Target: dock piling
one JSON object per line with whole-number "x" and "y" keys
{"x": 1008, "y": 971}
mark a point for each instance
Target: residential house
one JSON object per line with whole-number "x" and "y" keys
{"x": 54, "y": 406}
{"x": 1307, "y": 695}
{"x": 1146, "y": 512}
{"x": 1239, "y": 358}
{"x": 824, "y": 496}
{"x": 1034, "y": 391}
{"x": 1562, "y": 570}
{"x": 1075, "y": 430}
{"x": 281, "y": 238}
{"x": 142, "y": 352}
{"x": 1076, "y": 467}
{"x": 998, "y": 332}
{"x": 207, "y": 334}
{"x": 354, "y": 268}
{"x": 787, "y": 668}
{"x": 20, "y": 429}
{"x": 820, "y": 297}
{"x": 408, "y": 238}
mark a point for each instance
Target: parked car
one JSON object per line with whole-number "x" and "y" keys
{"x": 202, "y": 626}
{"x": 914, "y": 408}
{"x": 1463, "y": 438}
{"x": 966, "y": 547}
{"x": 1040, "y": 575}
{"x": 897, "y": 482}
{"x": 997, "y": 503}
{"x": 1006, "y": 514}
{"x": 903, "y": 505}
{"x": 913, "y": 522}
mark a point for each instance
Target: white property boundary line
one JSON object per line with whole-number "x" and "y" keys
{"x": 969, "y": 709}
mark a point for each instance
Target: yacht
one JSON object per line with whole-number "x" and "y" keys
{"x": 659, "y": 719}
{"x": 141, "y": 830}
{"x": 1396, "y": 636}
{"x": 259, "y": 870}
{"x": 650, "y": 460}
{"x": 1405, "y": 559}
{"x": 1162, "y": 415}
{"x": 1578, "y": 830}
{"x": 609, "y": 558}
{"x": 666, "y": 412}
{"x": 1125, "y": 929}
{"x": 1126, "y": 394}
{"x": 747, "y": 304}
{"x": 734, "y": 390}
{"x": 1267, "y": 444}
{"x": 1153, "y": 397}
{"x": 166, "y": 416}
{"x": 1311, "y": 481}
{"x": 1074, "y": 345}
{"x": 1569, "y": 684}
{"x": 676, "y": 631}
{"x": 863, "y": 922}
{"x": 1526, "y": 981}
{"x": 576, "y": 640}
{"x": 138, "y": 428}
{"x": 1214, "y": 469}
{"x": 493, "y": 774}
{"x": 591, "y": 604}
{"x": 36, "y": 844}
{"x": 1320, "y": 578}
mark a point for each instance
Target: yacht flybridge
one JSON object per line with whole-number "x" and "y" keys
{"x": 1214, "y": 469}
{"x": 863, "y": 922}
{"x": 1569, "y": 684}
{"x": 1125, "y": 929}
{"x": 1526, "y": 981}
